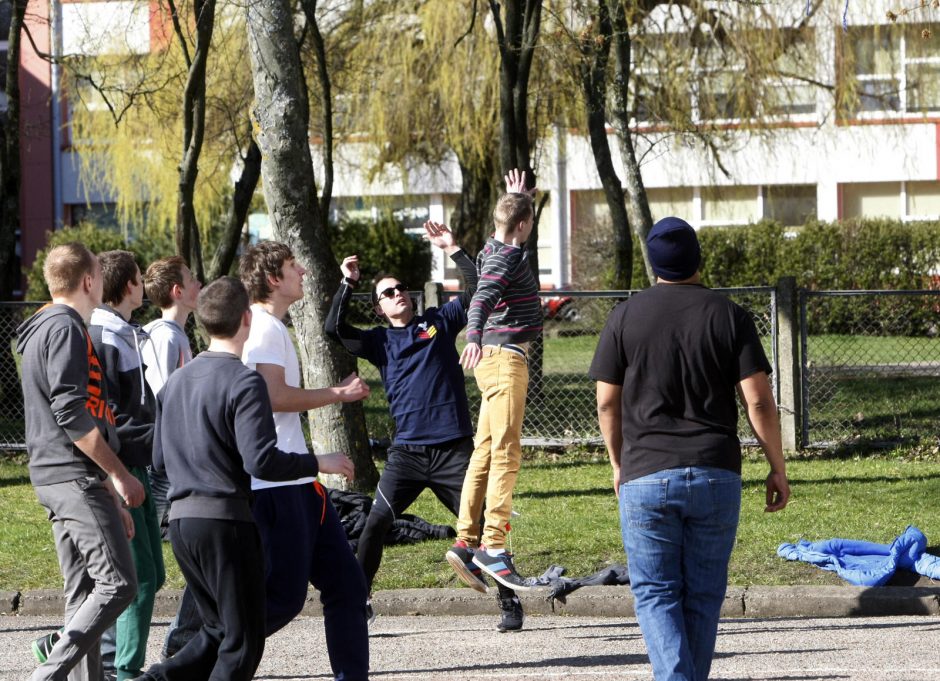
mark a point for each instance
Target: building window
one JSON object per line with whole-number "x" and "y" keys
{"x": 729, "y": 205}
{"x": 683, "y": 81}
{"x": 672, "y": 201}
{"x": 101, "y": 215}
{"x": 895, "y": 68}
{"x": 922, "y": 200}
{"x": 792, "y": 205}
{"x": 871, "y": 199}
{"x": 411, "y": 212}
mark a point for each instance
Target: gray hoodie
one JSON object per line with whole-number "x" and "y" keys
{"x": 64, "y": 394}
{"x": 117, "y": 343}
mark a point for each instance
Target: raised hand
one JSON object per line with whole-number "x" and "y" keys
{"x": 440, "y": 235}
{"x": 515, "y": 183}
{"x": 352, "y": 388}
{"x": 350, "y": 267}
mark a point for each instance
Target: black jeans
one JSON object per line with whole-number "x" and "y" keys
{"x": 224, "y": 570}
{"x": 410, "y": 470}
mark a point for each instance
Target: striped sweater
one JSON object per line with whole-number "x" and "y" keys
{"x": 505, "y": 307}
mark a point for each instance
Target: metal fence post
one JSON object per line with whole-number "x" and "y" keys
{"x": 788, "y": 358}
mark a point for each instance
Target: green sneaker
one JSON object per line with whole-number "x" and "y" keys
{"x": 43, "y": 645}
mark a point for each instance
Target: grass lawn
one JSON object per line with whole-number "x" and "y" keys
{"x": 568, "y": 516}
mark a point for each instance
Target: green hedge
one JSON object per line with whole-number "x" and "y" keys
{"x": 97, "y": 239}
{"x": 852, "y": 255}
{"x": 856, "y": 254}
{"x": 383, "y": 246}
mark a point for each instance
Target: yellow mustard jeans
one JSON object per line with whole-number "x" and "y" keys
{"x": 503, "y": 378}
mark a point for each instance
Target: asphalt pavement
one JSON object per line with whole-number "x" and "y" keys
{"x": 431, "y": 648}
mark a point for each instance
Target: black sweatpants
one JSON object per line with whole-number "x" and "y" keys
{"x": 304, "y": 543}
{"x": 410, "y": 470}
{"x": 224, "y": 570}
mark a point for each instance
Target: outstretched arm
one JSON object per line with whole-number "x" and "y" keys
{"x": 441, "y": 236}
{"x": 336, "y": 326}
{"x": 288, "y": 398}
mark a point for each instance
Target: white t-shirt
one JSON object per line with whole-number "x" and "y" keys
{"x": 269, "y": 342}
{"x": 166, "y": 351}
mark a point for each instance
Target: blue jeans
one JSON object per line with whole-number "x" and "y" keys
{"x": 678, "y": 530}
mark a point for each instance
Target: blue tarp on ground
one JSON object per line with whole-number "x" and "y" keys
{"x": 865, "y": 563}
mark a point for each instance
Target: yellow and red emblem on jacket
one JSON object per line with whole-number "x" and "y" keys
{"x": 426, "y": 332}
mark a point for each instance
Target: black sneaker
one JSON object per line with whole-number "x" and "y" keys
{"x": 511, "y": 615}
{"x": 460, "y": 557}
{"x": 501, "y": 569}
{"x": 43, "y": 645}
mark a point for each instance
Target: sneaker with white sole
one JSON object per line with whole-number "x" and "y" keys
{"x": 501, "y": 568}
{"x": 460, "y": 557}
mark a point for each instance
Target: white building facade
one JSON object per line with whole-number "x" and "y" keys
{"x": 879, "y": 160}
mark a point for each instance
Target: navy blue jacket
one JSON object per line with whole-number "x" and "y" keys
{"x": 419, "y": 364}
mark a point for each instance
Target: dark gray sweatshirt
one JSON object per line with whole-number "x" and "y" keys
{"x": 64, "y": 394}
{"x": 214, "y": 430}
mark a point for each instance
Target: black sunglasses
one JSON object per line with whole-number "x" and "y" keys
{"x": 390, "y": 291}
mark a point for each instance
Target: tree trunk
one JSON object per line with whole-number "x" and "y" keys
{"x": 188, "y": 242}
{"x": 638, "y": 207}
{"x": 472, "y": 222}
{"x": 517, "y": 42}
{"x": 326, "y": 88}
{"x": 595, "y": 55}
{"x": 290, "y": 192}
{"x": 517, "y": 32}
{"x": 11, "y": 396}
{"x": 245, "y": 187}
{"x": 10, "y": 160}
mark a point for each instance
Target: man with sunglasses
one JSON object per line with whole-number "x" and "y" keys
{"x": 417, "y": 359}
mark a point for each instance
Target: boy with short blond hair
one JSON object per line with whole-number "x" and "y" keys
{"x": 505, "y": 316}
{"x": 78, "y": 478}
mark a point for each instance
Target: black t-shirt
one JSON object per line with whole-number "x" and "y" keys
{"x": 678, "y": 350}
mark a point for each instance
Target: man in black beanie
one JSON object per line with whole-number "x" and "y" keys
{"x": 667, "y": 366}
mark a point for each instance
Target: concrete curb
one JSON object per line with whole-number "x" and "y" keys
{"x": 595, "y": 601}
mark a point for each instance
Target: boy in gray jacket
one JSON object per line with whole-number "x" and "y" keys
{"x": 118, "y": 342}
{"x": 72, "y": 443}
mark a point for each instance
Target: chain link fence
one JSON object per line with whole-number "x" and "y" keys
{"x": 870, "y": 366}
{"x": 12, "y": 314}
{"x": 562, "y": 407}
